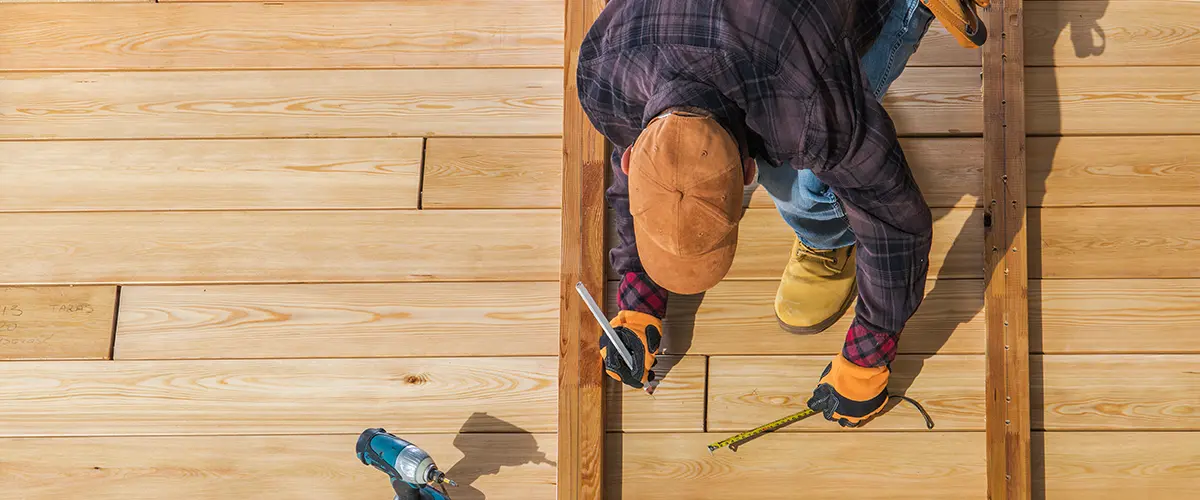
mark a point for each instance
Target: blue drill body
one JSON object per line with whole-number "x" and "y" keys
{"x": 412, "y": 472}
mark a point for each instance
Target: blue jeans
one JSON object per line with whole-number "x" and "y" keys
{"x": 807, "y": 204}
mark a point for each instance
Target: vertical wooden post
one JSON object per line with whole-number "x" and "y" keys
{"x": 1007, "y": 295}
{"x": 580, "y": 373}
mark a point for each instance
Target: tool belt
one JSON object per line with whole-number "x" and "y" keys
{"x": 960, "y": 19}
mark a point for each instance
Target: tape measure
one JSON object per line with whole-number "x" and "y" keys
{"x": 737, "y": 440}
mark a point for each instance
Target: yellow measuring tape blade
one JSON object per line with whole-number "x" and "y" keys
{"x": 734, "y": 441}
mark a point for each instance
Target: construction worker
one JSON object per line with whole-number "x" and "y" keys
{"x": 700, "y": 98}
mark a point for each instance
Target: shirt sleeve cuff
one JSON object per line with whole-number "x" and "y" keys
{"x": 637, "y": 292}
{"x": 869, "y": 348}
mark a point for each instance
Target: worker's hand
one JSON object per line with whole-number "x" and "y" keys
{"x": 641, "y": 334}
{"x": 850, "y": 394}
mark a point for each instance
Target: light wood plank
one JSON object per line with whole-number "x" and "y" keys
{"x": 1080, "y": 101}
{"x": 215, "y": 174}
{"x": 938, "y": 48}
{"x": 786, "y": 466}
{"x": 56, "y": 322}
{"x": 747, "y": 391}
{"x": 676, "y": 405}
{"x": 338, "y": 320}
{"x": 1091, "y": 465}
{"x": 413, "y": 33}
{"x": 765, "y": 240}
{"x": 265, "y": 467}
{"x": 210, "y": 247}
{"x": 493, "y": 173}
{"x": 950, "y": 320}
{"x": 318, "y": 103}
{"x": 949, "y": 172}
{"x": 1114, "y": 316}
{"x": 1114, "y": 171}
{"x": 1103, "y": 33}
{"x": 1156, "y": 242}
{"x": 76, "y": 2}
{"x": 936, "y": 101}
{"x": 1109, "y": 392}
{"x": 81, "y": 398}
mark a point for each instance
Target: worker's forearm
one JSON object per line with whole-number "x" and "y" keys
{"x": 636, "y": 291}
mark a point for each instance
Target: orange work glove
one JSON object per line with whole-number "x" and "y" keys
{"x": 641, "y": 333}
{"x": 850, "y": 394}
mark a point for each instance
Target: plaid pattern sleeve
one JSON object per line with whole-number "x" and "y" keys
{"x": 636, "y": 292}
{"x": 852, "y": 147}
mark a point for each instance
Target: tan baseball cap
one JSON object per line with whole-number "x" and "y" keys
{"x": 685, "y": 195}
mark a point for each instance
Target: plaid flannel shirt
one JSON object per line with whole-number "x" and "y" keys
{"x": 788, "y": 71}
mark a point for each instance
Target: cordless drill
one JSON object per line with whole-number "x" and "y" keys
{"x": 413, "y": 474}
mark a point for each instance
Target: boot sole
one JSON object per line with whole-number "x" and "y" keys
{"x": 824, "y": 325}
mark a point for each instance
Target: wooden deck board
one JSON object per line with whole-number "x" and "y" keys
{"x": 56, "y": 322}
{"x": 936, "y": 101}
{"x": 785, "y": 466}
{"x": 764, "y": 241}
{"x": 1115, "y": 392}
{"x": 338, "y": 320}
{"x": 1090, "y": 465}
{"x": 1119, "y": 33}
{"x": 257, "y": 397}
{"x": 747, "y": 391}
{"x": 210, "y": 174}
{"x": 413, "y": 33}
{"x": 265, "y": 467}
{"x": 738, "y": 318}
{"x": 260, "y": 247}
{"x": 1114, "y": 171}
{"x": 1099, "y": 316}
{"x": 1153, "y": 242}
{"x": 492, "y": 173}
{"x": 1112, "y": 100}
{"x": 677, "y": 405}
{"x": 327, "y": 103}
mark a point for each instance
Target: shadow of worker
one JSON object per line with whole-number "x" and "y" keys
{"x": 1048, "y": 27}
{"x": 485, "y": 453}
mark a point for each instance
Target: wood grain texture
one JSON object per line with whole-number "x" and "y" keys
{"x": 938, "y": 48}
{"x": 264, "y": 467}
{"x": 936, "y": 101}
{"x": 677, "y": 405}
{"x": 747, "y": 391}
{"x": 318, "y": 103}
{"x": 56, "y": 322}
{"x": 1114, "y": 171}
{"x": 418, "y": 395}
{"x": 213, "y": 174}
{"x": 413, "y": 33}
{"x": 1110, "y": 392}
{"x": 786, "y": 466}
{"x": 1090, "y": 465}
{"x": 1120, "y": 33}
{"x": 1152, "y": 242}
{"x": 765, "y": 240}
{"x": 950, "y": 320}
{"x": 949, "y": 172}
{"x": 338, "y": 320}
{"x": 210, "y": 247}
{"x": 1102, "y": 101}
{"x": 492, "y": 173}
{"x": 581, "y": 401}
{"x": 1114, "y": 316}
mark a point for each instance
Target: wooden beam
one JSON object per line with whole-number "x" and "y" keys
{"x": 1006, "y": 294}
{"x": 580, "y": 374}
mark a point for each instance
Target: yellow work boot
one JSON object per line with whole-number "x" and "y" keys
{"x": 817, "y": 288}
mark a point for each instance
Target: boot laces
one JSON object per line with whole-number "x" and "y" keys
{"x": 826, "y": 256}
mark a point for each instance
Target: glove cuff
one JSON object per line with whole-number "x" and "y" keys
{"x": 855, "y": 382}
{"x": 635, "y": 320}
